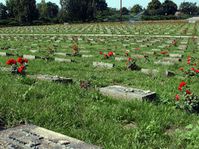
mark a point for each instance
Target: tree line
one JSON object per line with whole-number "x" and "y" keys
{"x": 26, "y": 12}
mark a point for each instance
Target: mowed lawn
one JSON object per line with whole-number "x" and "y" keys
{"x": 86, "y": 114}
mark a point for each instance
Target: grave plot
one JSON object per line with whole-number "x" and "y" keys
{"x": 120, "y": 92}
{"x": 30, "y": 136}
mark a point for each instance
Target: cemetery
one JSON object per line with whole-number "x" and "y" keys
{"x": 110, "y": 85}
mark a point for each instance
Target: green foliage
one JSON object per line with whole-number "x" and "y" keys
{"x": 136, "y": 9}
{"x": 189, "y": 138}
{"x": 3, "y": 12}
{"x": 189, "y": 8}
{"x": 169, "y": 7}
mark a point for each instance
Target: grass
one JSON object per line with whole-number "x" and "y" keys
{"x": 86, "y": 114}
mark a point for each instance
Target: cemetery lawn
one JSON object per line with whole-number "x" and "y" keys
{"x": 86, "y": 114}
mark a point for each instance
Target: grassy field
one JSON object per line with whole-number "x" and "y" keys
{"x": 86, "y": 114}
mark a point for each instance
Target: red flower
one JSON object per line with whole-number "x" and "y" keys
{"x": 188, "y": 92}
{"x": 11, "y": 62}
{"x": 25, "y": 60}
{"x": 110, "y": 53}
{"x": 177, "y": 97}
{"x": 197, "y": 71}
{"x": 182, "y": 69}
{"x": 130, "y": 59}
{"x": 193, "y": 69}
{"x": 100, "y": 52}
{"x": 164, "y": 52}
{"x": 20, "y": 60}
{"x": 105, "y": 56}
{"x": 21, "y": 68}
{"x": 182, "y": 84}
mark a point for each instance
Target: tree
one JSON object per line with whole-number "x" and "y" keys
{"x": 154, "y": 8}
{"x": 125, "y": 11}
{"x": 80, "y": 10}
{"x": 11, "y": 8}
{"x": 169, "y": 7}
{"x": 136, "y": 9}
{"x": 42, "y": 8}
{"x": 101, "y": 5}
{"x": 3, "y": 11}
{"x": 52, "y": 10}
{"x": 23, "y": 10}
{"x": 189, "y": 8}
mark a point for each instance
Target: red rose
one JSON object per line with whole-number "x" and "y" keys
{"x": 197, "y": 71}
{"x": 130, "y": 59}
{"x": 110, "y": 54}
{"x": 11, "y": 62}
{"x": 25, "y": 60}
{"x": 193, "y": 69}
{"x": 21, "y": 68}
{"x": 20, "y": 60}
{"x": 101, "y": 52}
{"x": 188, "y": 92}
{"x": 177, "y": 97}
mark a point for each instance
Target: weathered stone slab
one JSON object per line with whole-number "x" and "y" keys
{"x": 33, "y": 137}
{"x": 60, "y": 53}
{"x": 3, "y": 54}
{"x": 63, "y": 60}
{"x": 120, "y": 92}
{"x": 169, "y": 73}
{"x": 120, "y": 58}
{"x": 53, "y": 78}
{"x": 151, "y": 72}
{"x": 168, "y": 63}
{"x": 169, "y": 59}
{"x": 137, "y": 56}
{"x": 87, "y": 56}
{"x": 175, "y": 55}
{"x": 30, "y": 57}
{"x": 103, "y": 65}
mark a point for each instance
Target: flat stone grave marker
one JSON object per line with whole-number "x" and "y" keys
{"x": 63, "y": 60}
{"x": 60, "y": 53}
{"x": 120, "y": 58}
{"x": 34, "y": 137}
{"x": 3, "y": 54}
{"x": 167, "y": 63}
{"x": 87, "y": 56}
{"x": 53, "y": 78}
{"x": 33, "y": 51}
{"x": 30, "y": 57}
{"x": 152, "y": 72}
{"x": 103, "y": 65}
{"x": 170, "y": 59}
{"x": 126, "y": 93}
{"x": 182, "y": 47}
{"x": 137, "y": 56}
{"x": 175, "y": 55}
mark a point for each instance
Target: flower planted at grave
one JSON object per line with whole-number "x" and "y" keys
{"x": 131, "y": 64}
{"x": 187, "y": 100}
{"x": 174, "y": 42}
{"x": 13, "y": 64}
{"x": 109, "y": 55}
{"x": 75, "y": 49}
{"x": 18, "y": 66}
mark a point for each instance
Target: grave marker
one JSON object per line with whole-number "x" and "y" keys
{"x": 120, "y": 92}
{"x": 33, "y": 137}
{"x": 103, "y": 65}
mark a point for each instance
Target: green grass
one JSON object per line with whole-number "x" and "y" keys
{"x": 86, "y": 114}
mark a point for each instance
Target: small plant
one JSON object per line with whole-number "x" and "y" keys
{"x": 109, "y": 55}
{"x": 75, "y": 49}
{"x": 18, "y": 66}
{"x": 131, "y": 64}
{"x": 186, "y": 99}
